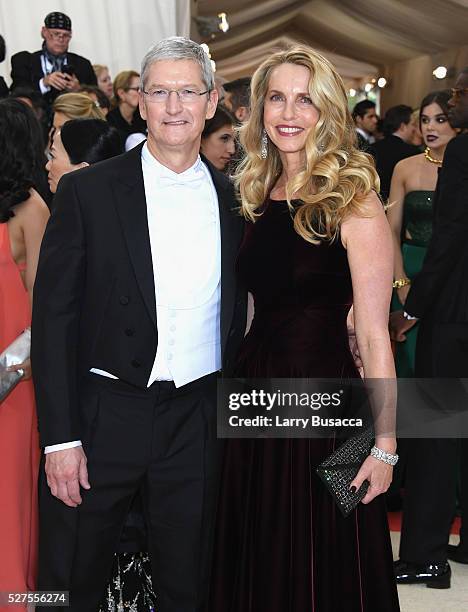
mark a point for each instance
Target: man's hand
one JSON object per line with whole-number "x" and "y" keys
{"x": 66, "y": 471}
{"x": 399, "y": 325}
{"x": 25, "y": 366}
{"x": 73, "y": 83}
{"x": 353, "y": 345}
{"x": 57, "y": 80}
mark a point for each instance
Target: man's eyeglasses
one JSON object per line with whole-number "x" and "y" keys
{"x": 60, "y": 35}
{"x": 185, "y": 95}
{"x": 458, "y": 91}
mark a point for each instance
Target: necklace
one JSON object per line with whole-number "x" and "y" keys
{"x": 433, "y": 160}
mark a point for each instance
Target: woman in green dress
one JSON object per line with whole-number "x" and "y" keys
{"x": 410, "y": 214}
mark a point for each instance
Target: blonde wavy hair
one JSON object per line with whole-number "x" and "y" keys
{"x": 99, "y": 68}
{"x": 336, "y": 176}
{"x": 77, "y": 106}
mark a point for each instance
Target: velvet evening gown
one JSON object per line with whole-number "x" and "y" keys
{"x": 281, "y": 543}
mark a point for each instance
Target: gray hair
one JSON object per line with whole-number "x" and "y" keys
{"x": 178, "y": 48}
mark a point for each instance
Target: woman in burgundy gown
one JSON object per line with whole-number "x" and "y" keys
{"x": 317, "y": 242}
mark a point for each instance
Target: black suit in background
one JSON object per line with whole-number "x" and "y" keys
{"x": 387, "y": 153}
{"x": 439, "y": 297}
{"x": 4, "y": 91}
{"x": 26, "y": 71}
{"x": 95, "y": 307}
{"x": 362, "y": 143}
{"x": 114, "y": 118}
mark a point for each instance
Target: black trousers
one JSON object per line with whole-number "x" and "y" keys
{"x": 163, "y": 442}
{"x": 464, "y": 494}
{"x": 432, "y": 464}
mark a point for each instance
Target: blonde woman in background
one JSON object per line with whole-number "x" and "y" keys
{"x": 73, "y": 106}
{"x": 317, "y": 241}
{"x": 125, "y": 116}
{"x": 104, "y": 79}
{"x": 417, "y": 140}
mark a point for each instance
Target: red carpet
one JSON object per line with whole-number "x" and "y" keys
{"x": 394, "y": 522}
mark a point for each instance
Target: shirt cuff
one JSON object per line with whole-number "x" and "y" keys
{"x": 63, "y": 446}
{"x": 408, "y": 316}
{"x": 44, "y": 89}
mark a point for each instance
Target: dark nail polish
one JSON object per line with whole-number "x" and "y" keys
{"x": 353, "y": 489}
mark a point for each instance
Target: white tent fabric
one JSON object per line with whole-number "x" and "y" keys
{"x": 399, "y": 39}
{"x": 113, "y": 32}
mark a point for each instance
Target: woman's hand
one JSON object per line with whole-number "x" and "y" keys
{"x": 25, "y": 366}
{"x": 378, "y": 473}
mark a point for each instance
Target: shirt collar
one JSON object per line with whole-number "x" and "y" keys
{"x": 364, "y": 134}
{"x": 194, "y": 173}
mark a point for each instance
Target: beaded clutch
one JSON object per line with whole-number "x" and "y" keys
{"x": 340, "y": 468}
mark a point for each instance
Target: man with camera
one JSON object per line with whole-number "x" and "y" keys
{"x": 53, "y": 69}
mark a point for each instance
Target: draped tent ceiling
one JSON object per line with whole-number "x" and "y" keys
{"x": 362, "y": 38}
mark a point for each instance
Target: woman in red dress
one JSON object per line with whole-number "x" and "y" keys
{"x": 23, "y": 216}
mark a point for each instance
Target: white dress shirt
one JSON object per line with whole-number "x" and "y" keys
{"x": 183, "y": 223}
{"x": 47, "y": 68}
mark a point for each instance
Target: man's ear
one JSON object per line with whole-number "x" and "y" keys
{"x": 212, "y": 103}
{"x": 402, "y": 127}
{"x": 141, "y": 104}
{"x": 43, "y": 32}
{"x": 242, "y": 113}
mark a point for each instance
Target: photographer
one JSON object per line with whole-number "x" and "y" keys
{"x": 53, "y": 69}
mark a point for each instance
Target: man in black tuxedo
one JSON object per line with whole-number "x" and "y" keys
{"x": 366, "y": 120}
{"x": 237, "y": 98}
{"x": 439, "y": 298}
{"x": 53, "y": 69}
{"x": 3, "y": 85}
{"x": 136, "y": 309}
{"x": 399, "y": 131}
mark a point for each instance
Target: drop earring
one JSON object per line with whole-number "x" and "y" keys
{"x": 264, "y": 148}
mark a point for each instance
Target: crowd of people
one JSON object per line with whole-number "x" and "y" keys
{"x": 136, "y": 215}
{"x": 426, "y": 195}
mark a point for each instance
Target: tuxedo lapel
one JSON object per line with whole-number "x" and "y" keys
{"x": 36, "y": 66}
{"x": 230, "y": 226}
{"x": 130, "y": 203}
{"x": 436, "y": 196}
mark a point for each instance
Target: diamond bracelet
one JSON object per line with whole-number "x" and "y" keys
{"x": 381, "y": 455}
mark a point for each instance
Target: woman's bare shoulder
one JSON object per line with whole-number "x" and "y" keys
{"x": 409, "y": 164}
{"x": 369, "y": 215}
{"x": 32, "y": 209}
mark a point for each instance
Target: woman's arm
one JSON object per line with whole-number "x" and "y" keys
{"x": 395, "y": 219}
{"x": 368, "y": 242}
{"x": 31, "y": 218}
